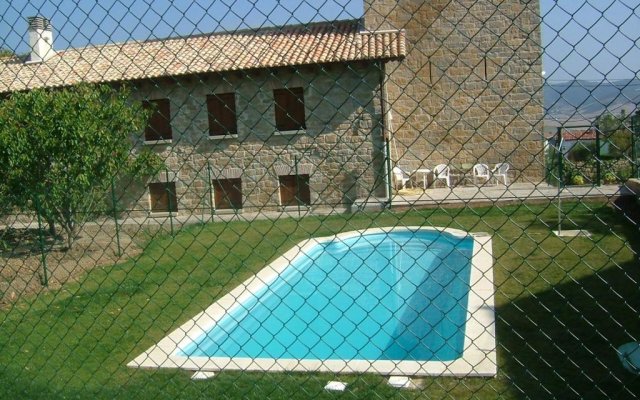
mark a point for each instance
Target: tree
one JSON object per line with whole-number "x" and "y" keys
{"x": 61, "y": 148}
{"x": 616, "y": 131}
{"x": 6, "y": 53}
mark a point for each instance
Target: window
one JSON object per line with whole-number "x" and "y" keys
{"x": 294, "y": 190}
{"x": 227, "y": 194}
{"x": 163, "y": 197}
{"x": 222, "y": 114}
{"x": 289, "y": 109}
{"x": 159, "y": 125}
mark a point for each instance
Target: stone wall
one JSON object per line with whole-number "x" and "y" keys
{"x": 470, "y": 88}
{"x": 341, "y": 149}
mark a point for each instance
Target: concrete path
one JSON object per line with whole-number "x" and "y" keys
{"x": 501, "y": 194}
{"x": 455, "y": 197}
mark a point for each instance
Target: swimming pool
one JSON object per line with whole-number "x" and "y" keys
{"x": 414, "y": 301}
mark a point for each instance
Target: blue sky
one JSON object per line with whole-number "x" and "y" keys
{"x": 593, "y": 39}
{"x": 585, "y": 39}
{"x": 121, "y": 20}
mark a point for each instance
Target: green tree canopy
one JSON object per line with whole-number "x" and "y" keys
{"x": 6, "y": 52}
{"x": 60, "y": 149}
{"x": 616, "y": 130}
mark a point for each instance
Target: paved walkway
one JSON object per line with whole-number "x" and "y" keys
{"x": 516, "y": 192}
{"x": 458, "y": 196}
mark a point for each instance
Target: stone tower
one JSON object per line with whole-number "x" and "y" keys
{"x": 470, "y": 88}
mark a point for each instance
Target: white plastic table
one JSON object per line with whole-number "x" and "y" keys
{"x": 425, "y": 175}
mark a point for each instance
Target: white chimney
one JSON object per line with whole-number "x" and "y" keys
{"x": 40, "y": 39}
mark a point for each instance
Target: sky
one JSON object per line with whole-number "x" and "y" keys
{"x": 591, "y": 39}
{"x": 582, "y": 39}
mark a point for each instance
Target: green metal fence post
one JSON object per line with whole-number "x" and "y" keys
{"x": 211, "y": 194}
{"x": 115, "y": 216}
{"x": 560, "y": 179}
{"x": 44, "y": 279}
{"x": 166, "y": 188}
{"x": 598, "y": 162}
{"x": 560, "y": 156}
{"x": 389, "y": 171}
{"x": 634, "y": 151}
{"x": 295, "y": 164}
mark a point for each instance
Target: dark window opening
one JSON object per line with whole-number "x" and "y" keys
{"x": 163, "y": 197}
{"x": 227, "y": 194}
{"x": 159, "y": 125}
{"x": 289, "y": 109}
{"x": 294, "y": 190}
{"x": 222, "y": 114}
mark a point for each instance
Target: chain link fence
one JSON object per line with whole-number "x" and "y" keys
{"x": 347, "y": 198}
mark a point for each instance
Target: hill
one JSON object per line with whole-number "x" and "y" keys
{"x": 580, "y": 102}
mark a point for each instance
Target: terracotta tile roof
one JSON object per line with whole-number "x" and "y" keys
{"x": 568, "y": 135}
{"x": 589, "y": 134}
{"x": 325, "y": 42}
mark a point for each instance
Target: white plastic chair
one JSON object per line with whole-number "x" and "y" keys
{"x": 481, "y": 171}
{"x": 501, "y": 170}
{"x": 442, "y": 172}
{"x": 401, "y": 176}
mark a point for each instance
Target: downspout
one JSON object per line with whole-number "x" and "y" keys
{"x": 386, "y": 132}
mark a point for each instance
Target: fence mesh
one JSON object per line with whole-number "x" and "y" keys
{"x": 358, "y": 198}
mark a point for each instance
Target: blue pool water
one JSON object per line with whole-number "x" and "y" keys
{"x": 385, "y": 296}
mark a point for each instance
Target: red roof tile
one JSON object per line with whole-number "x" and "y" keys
{"x": 327, "y": 42}
{"x": 589, "y": 134}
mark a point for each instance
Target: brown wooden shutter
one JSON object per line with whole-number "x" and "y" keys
{"x": 163, "y": 197}
{"x": 289, "y": 109}
{"x": 297, "y": 108}
{"x": 159, "y": 125}
{"x": 228, "y": 193}
{"x": 222, "y": 114}
{"x": 294, "y": 190}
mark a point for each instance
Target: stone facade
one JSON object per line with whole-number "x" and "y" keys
{"x": 341, "y": 149}
{"x": 470, "y": 88}
{"x": 468, "y": 91}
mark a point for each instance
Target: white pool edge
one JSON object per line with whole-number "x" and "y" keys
{"x": 478, "y": 359}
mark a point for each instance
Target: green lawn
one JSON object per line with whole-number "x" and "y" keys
{"x": 562, "y": 308}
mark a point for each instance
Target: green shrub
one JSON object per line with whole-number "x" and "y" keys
{"x": 577, "y": 180}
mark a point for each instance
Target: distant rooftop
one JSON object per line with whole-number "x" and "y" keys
{"x": 325, "y": 42}
{"x": 579, "y": 134}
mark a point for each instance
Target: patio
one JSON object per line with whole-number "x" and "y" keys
{"x": 492, "y": 194}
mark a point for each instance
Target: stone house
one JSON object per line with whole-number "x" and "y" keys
{"x": 470, "y": 87}
{"x": 316, "y": 115}
{"x": 249, "y": 120}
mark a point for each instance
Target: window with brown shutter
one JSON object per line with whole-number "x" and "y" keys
{"x": 289, "y": 109}
{"x": 159, "y": 125}
{"x": 227, "y": 194}
{"x": 294, "y": 190}
{"x": 163, "y": 197}
{"x": 222, "y": 114}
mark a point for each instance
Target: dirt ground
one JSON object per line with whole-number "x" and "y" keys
{"x": 21, "y": 257}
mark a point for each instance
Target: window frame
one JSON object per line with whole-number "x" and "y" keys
{"x": 300, "y": 196}
{"x": 222, "y": 116}
{"x": 232, "y": 202}
{"x": 289, "y": 110}
{"x": 158, "y": 129}
{"x": 171, "y": 197}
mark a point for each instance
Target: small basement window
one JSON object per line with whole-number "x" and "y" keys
{"x": 294, "y": 190}
{"x": 227, "y": 194}
{"x": 221, "y": 108}
{"x": 162, "y": 196}
{"x": 289, "y": 109}
{"x": 159, "y": 125}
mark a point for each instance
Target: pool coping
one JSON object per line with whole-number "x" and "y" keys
{"x": 479, "y": 354}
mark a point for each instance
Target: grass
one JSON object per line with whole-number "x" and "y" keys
{"x": 562, "y": 306}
